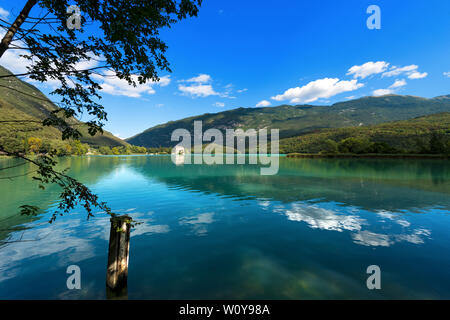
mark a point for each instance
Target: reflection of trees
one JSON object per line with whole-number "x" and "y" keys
{"x": 23, "y": 188}
{"x": 90, "y": 170}
{"x": 369, "y": 184}
{"x": 372, "y": 184}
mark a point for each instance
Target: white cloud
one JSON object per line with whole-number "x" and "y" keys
{"x": 111, "y": 84}
{"x": 219, "y": 104}
{"x": 163, "y": 81}
{"x": 395, "y": 71}
{"x": 242, "y": 90}
{"x": 417, "y": 236}
{"x": 93, "y": 62}
{"x": 59, "y": 237}
{"x": 367, "y": 238}
{"x": 4, "y": 14}
{"x": 11, "y": 59}
{"x": 382, "y": 92}
{"x": 88, "y": 64}
{"x": 321, "y": 88}
{"x": 398, "y": 84}
{"x": 391, "y": 90}
{"x": 200, "y": 86}
{"x": 263, "y": 103}
{"x": 198, "y": 90}
{"x": 410, "y": 71}
{"x": 146, "y": 228}
{"x": 393, "y": 217}
{"x": 227, "y": 92}
{"x": 199, "y": 223}
{"x": 327, "y": 219}
{"x": 367, "y": 69}
{"x": 417, "y": 75}
{"x": 201, "y": 78}
{"x": 370, "y": 68}
{"x": 447, "y": 74}
{"x": 321, "y": 218}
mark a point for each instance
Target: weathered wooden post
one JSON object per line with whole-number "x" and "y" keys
{"x": 118, "y": 253}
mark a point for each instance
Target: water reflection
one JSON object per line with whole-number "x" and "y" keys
{"x": 350, "y": 219}
{"x": 321, "y": 218}
{"x": 46, "y": 240}
{"x": 227, "y": 232}
{"x": 198, "y": 223}
{"x": 369, "y": 184}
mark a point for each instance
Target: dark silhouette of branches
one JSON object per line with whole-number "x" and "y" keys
{"x": 13, "y": 166}
{"x": 51, "y": 72}
{"x": 4, "y": 44}
{"x": 126, "y": 44}
{"x": 73, "y": 192}
{"x": 19, "y": 175}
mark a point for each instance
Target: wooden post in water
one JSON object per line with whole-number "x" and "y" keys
{"x": 118, "y": 253}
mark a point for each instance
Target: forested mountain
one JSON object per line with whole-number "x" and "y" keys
{"x": 427, "y": 134}
{"x": 303, "y": 128}
{"x": 22, "y": 109}
{"x": 302, "y": 119}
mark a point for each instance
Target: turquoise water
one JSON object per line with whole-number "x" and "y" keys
{"x": 226, "y": 232}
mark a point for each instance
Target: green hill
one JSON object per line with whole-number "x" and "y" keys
{"x": 302, "y": 119}
{"x": 427, "y": 134}
{"x": 20, "y": 101}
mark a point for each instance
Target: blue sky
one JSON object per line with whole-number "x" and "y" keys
{"x": 245, "y": 53}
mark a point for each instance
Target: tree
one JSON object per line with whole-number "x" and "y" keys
{"x": 125, "y": 43}
{"x": 34, "y": 144}
{"x": 13, "y": 144}
{"x": 105, "y": 150}
{"x": 78, "y": 148}
{"x": 329, "y": 147}
{"x": 46, "y": 147}
{"x": 381, "y": 148}
{"x": 64, "y": 150}
{"x": 437, "y": 143}
{"x": 354, "y": 145}
{"x": 115, "y": 151}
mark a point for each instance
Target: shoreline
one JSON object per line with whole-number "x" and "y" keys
{"x": 302, "y": 155}
{"x": 367, "y": 156}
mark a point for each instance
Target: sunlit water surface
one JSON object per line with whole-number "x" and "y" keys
{"x": 226, "y": 232}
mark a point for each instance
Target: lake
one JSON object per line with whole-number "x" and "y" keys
{"x": 226, "y": 232}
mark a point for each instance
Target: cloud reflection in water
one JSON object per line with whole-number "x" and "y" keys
{"x": 346, "y": 219}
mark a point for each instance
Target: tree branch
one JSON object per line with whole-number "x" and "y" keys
{"x": 73, "y": 192}
{"x": 15, "y": 26}
{"x": 56, "y": 72}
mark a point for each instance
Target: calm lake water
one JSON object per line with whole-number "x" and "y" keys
{"x": 226, "y": 232}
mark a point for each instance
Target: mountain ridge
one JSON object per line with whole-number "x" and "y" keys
{"x": 20, "y": 100}
{"x": 302, "y": 119}
{"x": 402, "y": 136}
